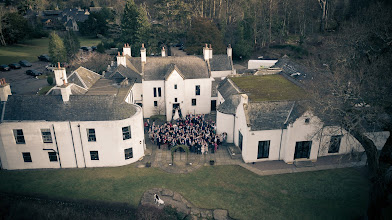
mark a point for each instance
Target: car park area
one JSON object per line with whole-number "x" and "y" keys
{"x": 21, "y": 83}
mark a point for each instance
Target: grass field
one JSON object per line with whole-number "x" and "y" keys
{"x": 269, "y": 88}
{"x": 31, "y": 49}
{"x": 331, "y": 194}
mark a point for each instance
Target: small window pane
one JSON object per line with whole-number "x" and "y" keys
{"x": 193, "y": 102}
{"x": 52, "y": 156}
{"x": 335, "y": 144}
{"x": 197, "y": 90}
{"x": 263, "y": 149}
{"x": 19, "y": 137}
{"x": 175, "y": 86}
{"x": 126, "y": 132}
{"x": 27, "y": 157}
{"x": 46, "y": 136}
{"x": 175, "y": 99}
{"x": 159, "y": 92}
{"x": 91, "y": 135}
{"x": 155, "y": 92}
{"x": 128, "y": 153}
{"x": 94, "y": 155}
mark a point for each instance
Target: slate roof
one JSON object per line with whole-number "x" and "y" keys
{"x": 220, "y": 63}
{"x": 156, "y": 68}
{"x": 268, "y": 115}
{"x": 229, "y": 106}
{"x": 122, "y": 72}
{"x": 79, "y": 108}
{"x": 86, "y": 78}
{"x": 109, "y": 87}
{"x": 293, "y": 69}
{"x": 214, "y": 87}
{"x": 227, "y": 88}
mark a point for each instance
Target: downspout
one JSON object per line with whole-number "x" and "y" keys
{"x": 73, "y": 144}
{"x": 234, "y": 129}
{"x": 57, "y": 146}
{"x": 280, "y": 146}
{"x": 81, "y": 143}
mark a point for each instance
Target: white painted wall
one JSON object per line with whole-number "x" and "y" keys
{"x": 257, "y": 64}
{"x": 171, "y": 93}
{"x": 70, "y": 141}
{"x": 225, "y": 123}
{"x": 137, "y": 93}
{"x": 219, "y": 100}
{"x": 148, "y": 97}
{"x": 203, "y": 101}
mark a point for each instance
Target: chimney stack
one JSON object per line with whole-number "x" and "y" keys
{"x": 206, "y": 53}
{"x": 143, "y": 54}
{"x": 5, "y": 90}
{"x": 229, "y": 51}
{"x": 121, "y": 60}
{"x": 65, "y": 93}
{"x": 127, "y": 50}
{"x": 163, "y": 52}
{"x": 210, "y": 50}
{"x": 60, "y": 75}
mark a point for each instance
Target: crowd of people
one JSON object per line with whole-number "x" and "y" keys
{"x": 192, "y": 130}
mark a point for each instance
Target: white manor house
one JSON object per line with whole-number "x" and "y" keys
{"x": 93, "y": 120}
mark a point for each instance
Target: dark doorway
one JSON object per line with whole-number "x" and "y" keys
{"x": 302, "y": 149}
{"x": 213, "y": 105}
{"x": 176, "y": 105}
{"x": 240, "y": 140}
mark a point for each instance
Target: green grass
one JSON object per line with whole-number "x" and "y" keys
{"x": 331, "y": 194}
{"x": 269, "y": 88}
{"x": 44, "y": 90}
{"x": 31, "y": 49}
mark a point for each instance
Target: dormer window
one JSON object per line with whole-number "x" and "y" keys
{"x": 307, "y": 120}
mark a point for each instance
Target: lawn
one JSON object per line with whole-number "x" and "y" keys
{"x": 331, "y": 194}
{"x": 269, "y": 88}
{"x": 31, "y": 49}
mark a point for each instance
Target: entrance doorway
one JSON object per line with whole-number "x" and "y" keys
{"x": 240, "y": 138}
{"x": 176, "y": 105}
{"x": 213, "y": 105}
{"x": 302, "y": 149}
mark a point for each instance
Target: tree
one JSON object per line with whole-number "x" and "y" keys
{"x": 356, "y": 94}
{"x": 204, "y": 31}
{"x": 71, "y": 44}
{"x": 97, "y": 23}
{"x": 57, "y": 50}
{"x": 135, "y": 26}
{"x": 14, "y": 28}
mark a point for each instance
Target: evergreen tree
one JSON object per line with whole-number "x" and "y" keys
{"x": 135, "y": 26}
{"x": 72, "y": 44}
{"x": 57, "y": 50}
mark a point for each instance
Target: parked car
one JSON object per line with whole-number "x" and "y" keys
{"x": 5, "y": 67}
{"x": 25, "y": 63}
{"x": 86, "y": 49}
{"x": 44, "y": 57}
{"x": 93, "y": 48}
{"x": 14, "y": 66}
{"x": 33, "y": 72}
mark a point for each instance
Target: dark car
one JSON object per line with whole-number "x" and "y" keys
{"x": 44, "y": 57}
{"x": 5, "y": 67}
{"x": 93, "y": 48}
{"x": 15, "y": 66}
{"x": 33, "y": 72}
{"x": 25, "y": 63}
{"x": 86, "y": 48}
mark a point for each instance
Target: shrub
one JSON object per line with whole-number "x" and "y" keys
{"x": 50, "y": 80}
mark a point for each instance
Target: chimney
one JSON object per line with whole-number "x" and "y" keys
{"x": 60, "y": 75}
{"x": 229, "y": 51}
{"x": 206, "y": 53}
{"x": 163, "y": 52}
{"x": 121, "y": 60}
{"x": 127, "y": 50}
{"x": 65, "y": 92}
{"x": 143, "y": 54}
{"x": 5, "y": 90}
{"x": 210, "y": 52}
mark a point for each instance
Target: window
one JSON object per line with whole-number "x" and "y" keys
{"x": 46, "y": 136}
{"x": 52, "y": 156}
{"x": 197, "y": 90}
{"x": 155, "y": 103}
{"x": 27, "y": 157}
{"x": 19, "y": 138}
{"x": 175, "y": 86}
{"x": 335, "y": 144}
{"x": 155, "y": 92}
{"x": 128, "y": 153}
{"x": 94, "y": 155}
{"x": 193, "y": 102}
{"x": 175, "y": 99}
{"x": 91, "y": 135}
{"x": 263, "y": 149}
{"x": 307, "y": 120}
{"x": 159, "y": 92}
{"x": 126, "y": 132}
